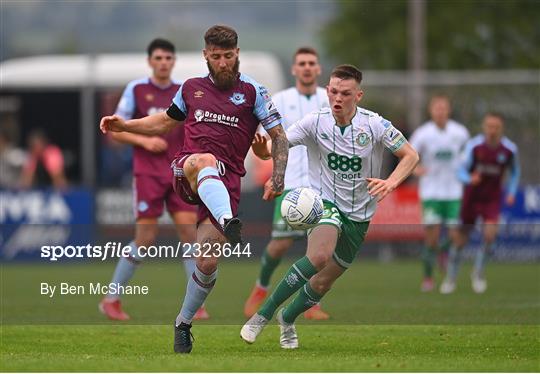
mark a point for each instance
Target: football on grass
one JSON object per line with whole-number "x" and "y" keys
{"x": 302, "y": 208}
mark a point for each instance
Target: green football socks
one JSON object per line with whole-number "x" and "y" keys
{"x": 305, "y": 299}
{"x": 428, "y": 259}
{"x": 297, "y": 275}
{"x": 268, "y": 265}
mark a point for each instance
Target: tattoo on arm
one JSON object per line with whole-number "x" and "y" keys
{"x": 280, "y": 154}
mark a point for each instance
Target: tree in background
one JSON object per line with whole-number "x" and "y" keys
{"x": 460, "y": 34}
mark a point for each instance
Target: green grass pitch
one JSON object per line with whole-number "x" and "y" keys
{"x": 380, "y": 322}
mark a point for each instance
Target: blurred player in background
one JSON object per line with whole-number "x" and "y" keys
{"x": 221, "y": 112}
{"x": 12, "y": 160}
{"x": 152, "y": 173}
{"x": 439, "y": 142}
{"x": 487, "y": 158}
{"x": 293, "y": 104}
{"x": 345, "y": 146}
{"x": 44, "y": 165}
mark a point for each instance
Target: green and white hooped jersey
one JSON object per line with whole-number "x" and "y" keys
{"x": 340, "y": 161}
{"x": 293, "y": 106}
{"x": 440, "y": 154}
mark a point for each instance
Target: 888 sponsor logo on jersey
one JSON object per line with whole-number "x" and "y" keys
{"x": 345, "y": 166}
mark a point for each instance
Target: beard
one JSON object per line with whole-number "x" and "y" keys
{"x": 224, "y": 80}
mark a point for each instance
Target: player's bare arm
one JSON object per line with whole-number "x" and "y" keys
{"x": 153, "y": 144}
{"x": 408, "y": 159}
{"x": 280, "y": 154}
{"x": 156, "y": 124}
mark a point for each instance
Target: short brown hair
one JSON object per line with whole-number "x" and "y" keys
{"x": 439, "y": 96}
{"x": 221, "y": 36}
{"x": 347, "y": 72}
{"x": 305, "y": 50}
{"x": 494, "y": 113}
{"x": 159, "y": 43}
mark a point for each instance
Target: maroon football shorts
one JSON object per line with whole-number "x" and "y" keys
{"x": 183, "y": 189}
{"x": 472, "y": 209}
{"x": 150, "y": 192}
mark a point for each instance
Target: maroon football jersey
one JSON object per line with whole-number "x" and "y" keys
{"x": 223, "y": 123}
{"x": 491, "y": 163}
{"x": 140, "y": 99}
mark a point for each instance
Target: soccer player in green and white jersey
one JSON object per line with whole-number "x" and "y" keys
{"x": 439, "y": 143}
{"x": 345, "y": 147}
{"x": 293, "y": 104}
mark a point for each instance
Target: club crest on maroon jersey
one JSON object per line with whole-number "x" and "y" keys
{"x": 237, "y": 98}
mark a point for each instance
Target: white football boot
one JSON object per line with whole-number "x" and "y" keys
{"x": 447, "y": 287}
{"x": 252, "y": 328}
{"x": 478, "y": 284}
{"x": 287, "y": 338}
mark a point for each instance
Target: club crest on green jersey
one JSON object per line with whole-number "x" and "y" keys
{"x": 363, "y": 139}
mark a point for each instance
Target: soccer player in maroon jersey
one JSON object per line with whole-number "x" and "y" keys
{"x": 487, "y": 158}
{"x": 152, "y": 174}
{"x": 220, "y": 112}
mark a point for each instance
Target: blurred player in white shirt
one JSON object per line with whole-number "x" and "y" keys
{"x": 439, "y": 142}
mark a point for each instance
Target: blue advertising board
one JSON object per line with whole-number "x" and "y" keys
{"x": 33, "y": 218}
{"x": 519, "y": 230}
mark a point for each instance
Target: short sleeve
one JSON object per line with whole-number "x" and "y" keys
{"x": 264, "y": 109}
{"x": 386, "y": 133}
{"x": 300, "y": 132}
{"x": 278, "y": 100}
{"x": 416, "y": 140}
{"x": 466, "y": 137}
{"x": 178, "y": 100}
{"x": 467, "y": 160}
{"x": 126, "y": 105}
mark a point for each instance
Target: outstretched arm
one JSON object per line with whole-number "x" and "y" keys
{"x": 408, "y": 159}
{"x": 280, "y": 154}
{"x": 154, "y": 144}
{"x": 156, "y": 124}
